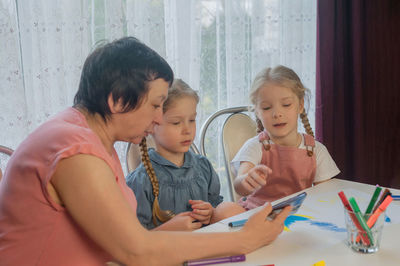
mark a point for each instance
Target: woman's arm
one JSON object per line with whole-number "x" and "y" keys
{"x": 250, "y": 178}
{"x": 87, "y": 188}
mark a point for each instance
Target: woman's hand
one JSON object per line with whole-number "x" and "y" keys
{"x": 261, "y": 231}
{"x": 180, "y": 222}
{"x": 202, "y": 211}
{"x": 251, "y": 178}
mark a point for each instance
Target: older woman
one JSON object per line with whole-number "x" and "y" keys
{"x": 64, "y": 201}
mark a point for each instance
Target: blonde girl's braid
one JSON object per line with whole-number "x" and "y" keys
{"x": 306, "y": 124}
{"x": 260, "y": 127}
{"x": 159, "y": 214}
{"x": 177, "y": 90}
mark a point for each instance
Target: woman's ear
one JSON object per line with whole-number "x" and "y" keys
{"x": 115, "y": 106}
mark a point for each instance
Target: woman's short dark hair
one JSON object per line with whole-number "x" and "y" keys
{"x": 123, "y": 68}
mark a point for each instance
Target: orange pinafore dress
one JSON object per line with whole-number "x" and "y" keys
{"x": 293, "y": 170}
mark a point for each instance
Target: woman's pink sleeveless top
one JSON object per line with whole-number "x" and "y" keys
{"x": 34, "y": 230}
{"x": 292, "y": 170}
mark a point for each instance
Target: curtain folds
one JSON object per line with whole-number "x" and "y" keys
{"x": 216, "y": 46}
{"x": 358, "y": 81}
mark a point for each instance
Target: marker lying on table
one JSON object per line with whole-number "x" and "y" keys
{"x": 215, "y": 261}
{"x": 237, "y": 223}
{"x": 372, "y": 219}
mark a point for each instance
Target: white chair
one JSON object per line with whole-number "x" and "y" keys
{"x": 5, "y": 154}
{"x": 133, "y": 157}
{"x": 237, "y": 128}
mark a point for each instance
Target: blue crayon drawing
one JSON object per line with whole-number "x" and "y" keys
{"x": 328, "y": 226}
{"x": 290, "y": 220}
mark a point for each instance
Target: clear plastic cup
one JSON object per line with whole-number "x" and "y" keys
{"x": 354, "y": 234}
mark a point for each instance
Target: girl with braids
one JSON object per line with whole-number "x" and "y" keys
{"x": 171, "y": 179}
{"x": 279, "y": 161}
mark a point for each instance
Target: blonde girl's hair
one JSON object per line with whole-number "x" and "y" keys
{"x": 179, "y": 89}
{"x": 282, "y": 76}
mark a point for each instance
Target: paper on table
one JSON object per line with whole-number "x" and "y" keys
{"x": 326, "y": 207}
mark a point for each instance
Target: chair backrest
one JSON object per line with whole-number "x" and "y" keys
{"x": 5, "y": 154}
{"x": 133, "y": 157}
{"x": 237, "y": 128}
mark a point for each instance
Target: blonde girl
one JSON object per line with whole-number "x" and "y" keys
{"x": 279, "y": 161}
{"x": 175, "y": 188}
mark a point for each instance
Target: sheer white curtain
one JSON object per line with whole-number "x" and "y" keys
{"x": 216, "y": 46}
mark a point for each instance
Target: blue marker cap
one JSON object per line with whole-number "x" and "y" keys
{"x": 237, "y": 223}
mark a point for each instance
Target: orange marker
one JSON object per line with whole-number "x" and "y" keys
{"x": 381, "y": 208}
{"x": 372, "y": 219}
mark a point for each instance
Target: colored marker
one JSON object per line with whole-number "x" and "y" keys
{"x": 372, "y": 219}
{"x": 373, "y": 201}
{"x": 215, "y": 260}
{"x": 353, "y": 217}
{"x": 361, "y": 219}
{"x": 237, "y": 223}
{"x": 396, "y": 197}
{"x": 384, "y": 194}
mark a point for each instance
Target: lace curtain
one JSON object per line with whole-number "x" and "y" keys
{"x": 216, "y": 46}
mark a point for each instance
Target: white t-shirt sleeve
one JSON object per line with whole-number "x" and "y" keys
{"x": 249, "y": 152}
{"x": 326, "y": 166}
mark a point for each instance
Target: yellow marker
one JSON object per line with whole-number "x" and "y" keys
{"x": 319, "y": 263}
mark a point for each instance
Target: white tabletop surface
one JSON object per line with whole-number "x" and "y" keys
{"x": 317, "y": 231}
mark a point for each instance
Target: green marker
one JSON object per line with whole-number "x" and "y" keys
{"x": 373, "y": 201}
{"x": 361, "y": 219}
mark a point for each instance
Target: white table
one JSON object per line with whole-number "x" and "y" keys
{"x": 321, "y": 237}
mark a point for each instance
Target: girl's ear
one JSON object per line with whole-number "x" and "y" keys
{"x": 115, "y": 106}
{"x": 301, "y": 106}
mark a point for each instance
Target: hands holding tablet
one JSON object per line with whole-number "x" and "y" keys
{"x": 294, "y": 203}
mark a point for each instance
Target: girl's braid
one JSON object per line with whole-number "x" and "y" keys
{"x": 260, "y": 127}
{"x": 159, "y": 214}
{"x": 306, "y": 124}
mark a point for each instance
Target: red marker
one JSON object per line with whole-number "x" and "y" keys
{"x": 346, "y": 204}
